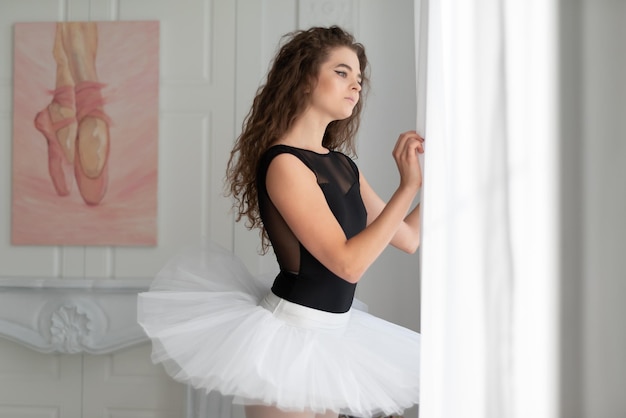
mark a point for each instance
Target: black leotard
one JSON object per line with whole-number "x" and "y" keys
{"x": 302, "y": 278}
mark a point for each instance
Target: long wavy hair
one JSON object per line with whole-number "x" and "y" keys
{"x": 278, "y": 103}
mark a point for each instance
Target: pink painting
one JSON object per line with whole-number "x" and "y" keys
{"x": 85, "y": 133}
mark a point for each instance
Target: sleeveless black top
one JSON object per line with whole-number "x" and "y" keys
{"x": 303, "y": 279}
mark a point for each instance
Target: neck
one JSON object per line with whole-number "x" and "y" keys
{"x": 307, "y": 132}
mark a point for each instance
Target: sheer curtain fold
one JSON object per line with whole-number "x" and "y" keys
{"x": 471, "y": 107}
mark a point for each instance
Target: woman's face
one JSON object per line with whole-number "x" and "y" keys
{"x": 338, "y": 85}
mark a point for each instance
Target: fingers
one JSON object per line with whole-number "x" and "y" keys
{"x": 408, "y": 146}
{"x": 420, "y": 140}
{"x": 420, "y": 146}
{"x": 409, "y": 141}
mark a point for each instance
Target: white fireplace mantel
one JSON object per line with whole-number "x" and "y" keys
{"x": 95, "y": 316}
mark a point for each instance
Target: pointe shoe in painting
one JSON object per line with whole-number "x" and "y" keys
{"x": 60, "y": 135}
{"x": 92, "y": 143}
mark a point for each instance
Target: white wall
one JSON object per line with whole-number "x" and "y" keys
{"x": 604, "y": 231}
{"x": 391, "y": 286}
{"x": 594, "y": 205}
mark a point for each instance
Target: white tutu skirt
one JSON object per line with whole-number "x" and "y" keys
{"x": 216, "y": 327}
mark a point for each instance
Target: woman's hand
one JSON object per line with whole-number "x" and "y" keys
{"x": 405, "y": 152}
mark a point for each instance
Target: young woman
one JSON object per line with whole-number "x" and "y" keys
{"x": 299, "y": 349}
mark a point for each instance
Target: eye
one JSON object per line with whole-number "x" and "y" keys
{"x": 342, "y": 74}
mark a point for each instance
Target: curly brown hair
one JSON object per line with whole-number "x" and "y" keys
{"x": 278, "y": 103}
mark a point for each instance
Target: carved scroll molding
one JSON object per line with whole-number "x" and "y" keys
{"x": 96, "y": 316}
{"x": 327, "y": 12}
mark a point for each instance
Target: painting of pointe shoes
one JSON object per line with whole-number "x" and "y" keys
{"x": 85, "y": 133}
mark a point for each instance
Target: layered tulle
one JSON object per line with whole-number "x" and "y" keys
{"x": 208, "y": 330}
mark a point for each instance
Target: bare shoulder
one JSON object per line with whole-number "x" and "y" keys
{"x": 286, "y": 168}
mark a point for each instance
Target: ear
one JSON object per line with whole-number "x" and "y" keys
{"x": 309, "y": 86}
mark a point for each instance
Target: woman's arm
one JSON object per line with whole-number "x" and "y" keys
{"x": 297, "y": 196}
{"x": 407, "y": 237}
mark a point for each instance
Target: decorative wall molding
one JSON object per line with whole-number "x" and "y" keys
{"x": 96, "y": 316}
{"x": 327, "y": 12}
{"x": 71, "y": 328}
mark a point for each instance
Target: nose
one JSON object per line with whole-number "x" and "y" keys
{"x": 356, "y": 85}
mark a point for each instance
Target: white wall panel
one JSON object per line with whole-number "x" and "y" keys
{"x": 220, "y": 227}
{"x": 6, "y": 93}
{"x": 92, "y": 10}
{"x": 29, "y": 412}
{"x": 72, "y": 262}
{"x": 24, "y": 261}
{"x": 391, "y": 285}
{"x": 38, "y": 385}
{"x": 186, "y": 35}
{"x": 18, "y": 362}
{"x": 127, "y": 385}
{"x": 249, "y": 69}
{"x": 322, "y": 13}
{"x": 180, "y": 191}
{"x": 603, "y": 201}
{"x": 75, "y": 10}
{"x": 28, "y": 11}
{"x": 99, "y": 262}
{"x": 278, "y": 18}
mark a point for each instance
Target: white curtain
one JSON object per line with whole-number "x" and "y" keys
{"x": 487, "y": 108}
